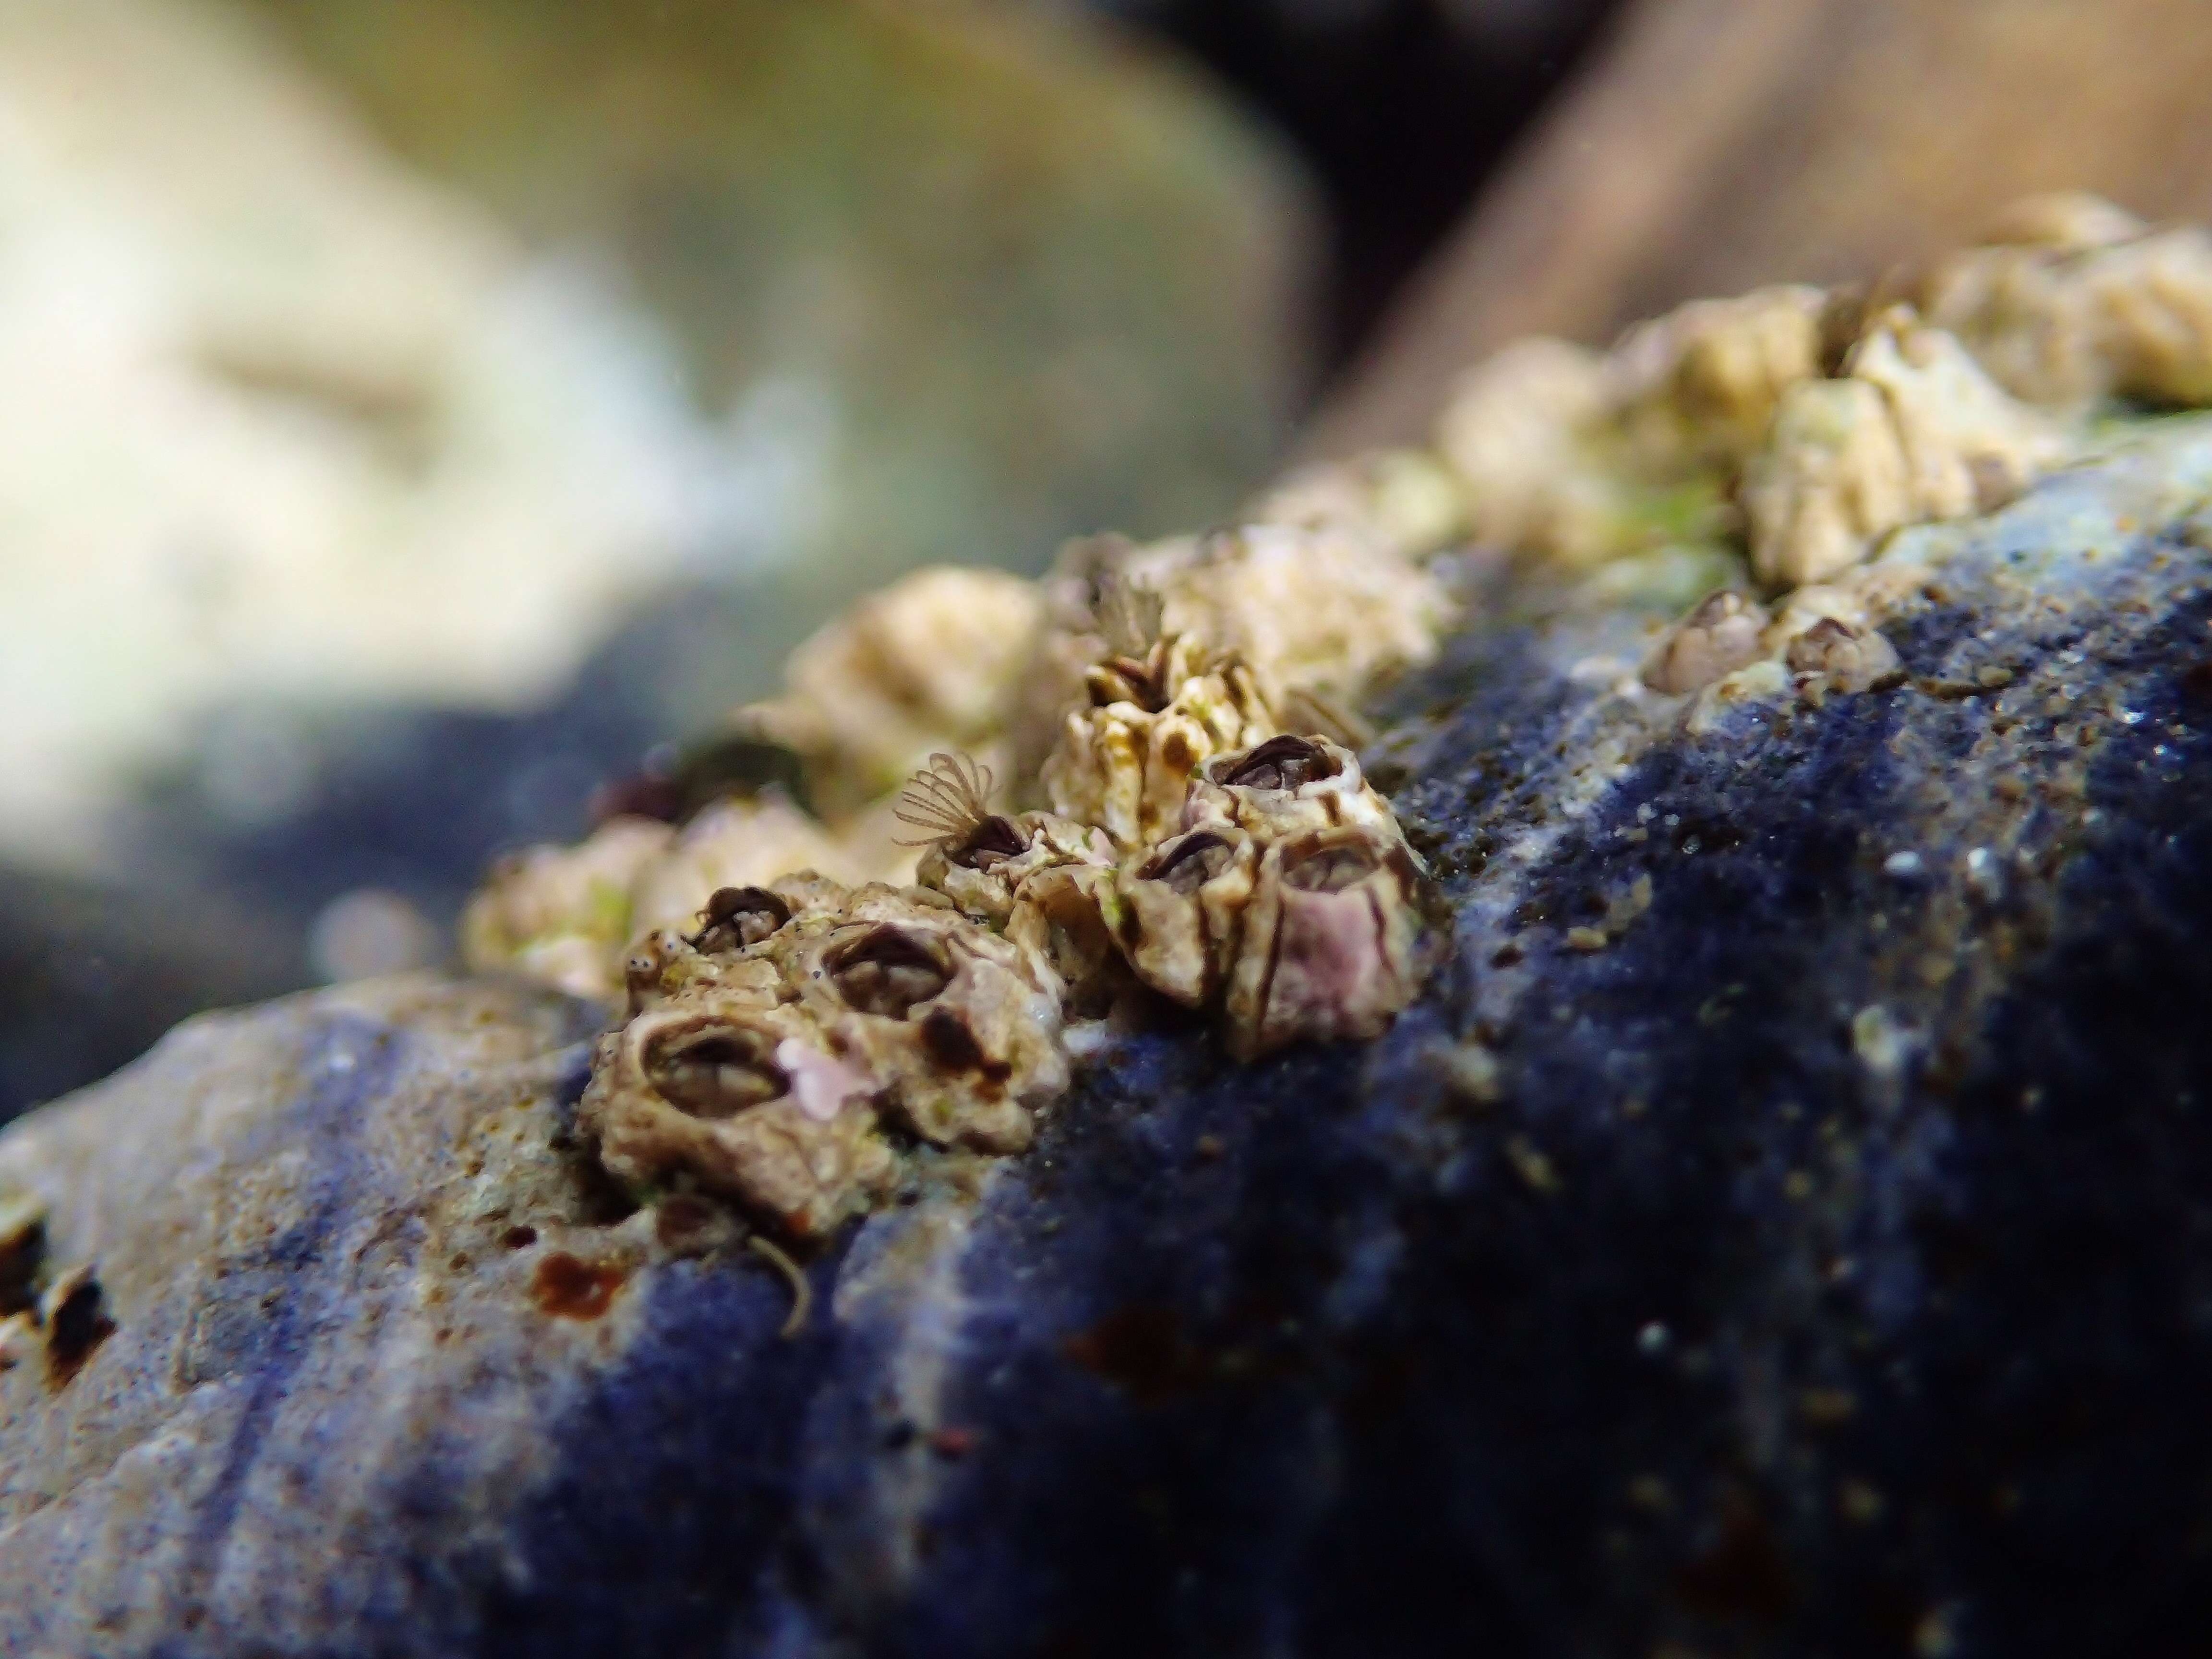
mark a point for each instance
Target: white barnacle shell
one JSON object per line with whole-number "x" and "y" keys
{"x": 1721, "y": 635}
{"x": 735, "y": 843}
{"x": 731, "y": 1089}
{"x": 1182, "y": 911}
{"x": 1831, "y": 479}
{"x": 1914, "y": 430}
{"x": 1833, "y": 655}
{"x": 1705, "y": 379}
{"x": 1069, "y": 914}
{"x": 936, "y": 659}
{"x": 1515, "y": 434}
{"x": 1314, "y": 610}
{"x": 2076, "y": 300}
{"x": 1286, "y": 784}
{"x": 980, "y": 859}
{"x": 1125, "y": 758}
{"x": 957, "y": 1028}
{"x": 1044, "y": 881}
{"x": 1332, "y": 945}
{"x": 1403, "y": 502}
{"x": 1968, "y": 444}
{"x": 561, "y": 915}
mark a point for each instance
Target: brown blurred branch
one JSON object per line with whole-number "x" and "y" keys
{"x": 1715, "y": 144}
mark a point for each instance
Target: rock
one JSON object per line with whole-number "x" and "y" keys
{"x": 1779, "y": 1228}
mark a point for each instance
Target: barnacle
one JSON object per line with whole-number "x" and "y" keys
{"x": 734, "y": 843}
{"x": 933, "y": 661}
{"x": 1831, "y": 479}
{"x": 1233, "y": 627}
{"x": 1704, "y": 381}
{"x": 1848, "y": 601}
{"x": 1837, "y": 656}
{"x": 763, "y": 1059}
{"x": 1332, "y": 941}
{"x": 1287, "y": 783}
{"x": 2076, "y": 300}
{"x": 958, "y": 1027}
{"x": 568, "y": 916}
{"x": 1044, "y": 881}
{"x": 1514, "y": 433}
{"x": 1586, "y": 458}
{"x": 1290, "y": 903}
{"x": 726, "y": 1087}
{"x": 1311, "y": 610}
{"x": 562, "y": 915}
{"x": 1724, "y": 633}
{"x": 1182, "y": 911}
{"x": 1306, "y": 606}
{"x": 1399, "y": 500}
{"x": 1966, "y": 442}
{"x": 966, "y": 842}
{"x": 1914, "y": 430}
{"x": 1125, "y": 757}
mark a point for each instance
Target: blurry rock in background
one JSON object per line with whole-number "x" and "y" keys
{"x": 411, "y": 409}
{"x": 91, "y": 975}
{"x": 1710, "y": 145}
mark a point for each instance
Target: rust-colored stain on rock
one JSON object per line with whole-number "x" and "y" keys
{"x": 567, "y": 1288}
{"x": 1140, "y": 1349}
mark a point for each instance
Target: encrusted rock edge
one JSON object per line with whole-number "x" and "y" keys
{"x": 1696, "y": 1262}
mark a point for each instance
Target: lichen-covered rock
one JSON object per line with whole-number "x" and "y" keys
{"x": 1779, "y": 1227}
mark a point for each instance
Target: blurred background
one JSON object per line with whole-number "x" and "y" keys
{"x": 413, "y": 412}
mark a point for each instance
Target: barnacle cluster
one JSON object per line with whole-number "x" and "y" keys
{"x": 813, "y": 996}
{"x": 768, "y": 1057}
{"x": 1799, "y": 428}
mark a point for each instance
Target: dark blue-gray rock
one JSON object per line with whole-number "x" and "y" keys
{"x": 1808, "y": 1252}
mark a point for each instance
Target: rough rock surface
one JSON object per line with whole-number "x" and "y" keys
{"x": 1807, "y": 1251}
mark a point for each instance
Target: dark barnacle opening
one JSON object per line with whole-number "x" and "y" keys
{"x": 1189, "y": 863}
{"x": 1324, "y": 864}
{"x": 887, "y": 970}
{"x": 1283, "y": 762}
{"x": 738, "y": 916}
{"x": 996, "y": 838}
{"x": 946, "y": 801}
{"x": 716, "y": 1072}
{"x": 78, "y": 1324}
{"x": 22, "y": 1246}
{"x": 1135, "y": 668}
{"x": 1139, "y": 680}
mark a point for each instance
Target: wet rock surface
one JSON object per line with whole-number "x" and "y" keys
{"x": 1780, "y": 1228}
